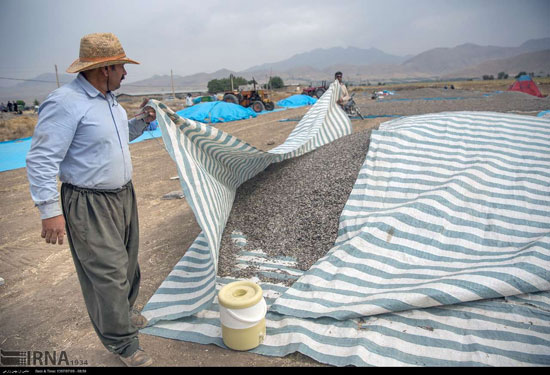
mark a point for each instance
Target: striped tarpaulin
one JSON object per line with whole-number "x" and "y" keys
{"x": 447, "y": 208}
{"x": 211, "y": 166}
{"x": 513, "y": 331}
{"x": 442, "y": 257}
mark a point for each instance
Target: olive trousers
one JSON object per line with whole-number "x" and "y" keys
{"x": 103, "y": 232}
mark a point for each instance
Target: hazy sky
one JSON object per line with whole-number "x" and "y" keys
{"x": 195, "y": 36}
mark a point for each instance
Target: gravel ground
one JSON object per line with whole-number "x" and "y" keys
{"x": 293, "y": 207}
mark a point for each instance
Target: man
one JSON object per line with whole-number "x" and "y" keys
{"x": 189, "y": 100}
{"x": 344, "y": 95}
{"x": 83, "y": 134}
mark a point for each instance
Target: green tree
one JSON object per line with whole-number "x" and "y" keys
{"x": 224, "y": 84}
{"x": 487, "y": 77}
{"x": 502, "y": 75}
{"x": 276, "y": 82}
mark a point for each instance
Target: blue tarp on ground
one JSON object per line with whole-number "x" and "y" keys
{"x": 214, "y": 112}
{"x": 297, "y": 101}
{"x": 13, "y": 153}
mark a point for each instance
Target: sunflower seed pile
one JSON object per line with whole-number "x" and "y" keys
{"x": 450, "y": 100}
{"x": 292, "y": 208}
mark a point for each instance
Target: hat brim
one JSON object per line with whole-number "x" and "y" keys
{"x": 80, "y": 66}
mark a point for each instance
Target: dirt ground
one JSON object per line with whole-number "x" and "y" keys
{"x": 42, "y": 308}
{"x": 41, "y": 304}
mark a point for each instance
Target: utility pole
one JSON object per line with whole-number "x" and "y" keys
{"x": 56, "y": 76}
{"x": 231, "y": 77}
{"x": 172, "y": 78}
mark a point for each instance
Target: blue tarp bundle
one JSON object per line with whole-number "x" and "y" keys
{"x": 213, "y": 112}
{"x": 297, "y": 101}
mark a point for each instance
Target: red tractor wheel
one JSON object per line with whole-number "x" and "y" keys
{"x": 258, "y": 106}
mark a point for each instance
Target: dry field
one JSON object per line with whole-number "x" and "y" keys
{"x": 486, "y": 86}
{"x": 16, "y": 126}
{"x": 42, "y": 308}
{"x": 21, "y": 126}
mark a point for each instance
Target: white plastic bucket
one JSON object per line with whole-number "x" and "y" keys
{"x": 242, "y": 315}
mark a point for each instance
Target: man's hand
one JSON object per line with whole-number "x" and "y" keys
{"x": 152, "y": 114}
{"x": 53, "y": 229}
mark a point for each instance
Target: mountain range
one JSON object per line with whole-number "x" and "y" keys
{"x": 359, "y": 66}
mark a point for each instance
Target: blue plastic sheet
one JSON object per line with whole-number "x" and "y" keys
{"x": 215, "y": 112}
{"x": 13, "y": 153}
{"x": 297, "y": 101}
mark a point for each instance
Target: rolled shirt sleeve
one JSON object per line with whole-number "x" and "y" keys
{"x": 52, "y": 137}
{"x": 136, "y": 128}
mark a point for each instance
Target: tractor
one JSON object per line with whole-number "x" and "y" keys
{"x": 258, "y": 100}
{"x": 317, "y": 91}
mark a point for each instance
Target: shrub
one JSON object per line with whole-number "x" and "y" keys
{"x": 224, "y": 84}
{"x": 275, "y": 82}
{"x": 502, "y": 75}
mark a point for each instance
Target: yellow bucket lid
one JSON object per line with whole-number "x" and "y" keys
{"x": 240, "y": 295}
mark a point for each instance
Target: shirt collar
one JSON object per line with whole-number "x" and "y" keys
{"x": 87, "y": 86}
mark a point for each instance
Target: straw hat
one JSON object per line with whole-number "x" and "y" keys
{"x": 98, "y": 50}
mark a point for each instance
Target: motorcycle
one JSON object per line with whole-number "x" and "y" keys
{"x": 351, "y": 108}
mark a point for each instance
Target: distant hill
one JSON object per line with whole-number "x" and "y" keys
{"x": 191, "y": 82}
{"x": 441, "y": 61}
{"x": 322, "y": 58}
{"x": 532, "y": 62}
{"x": 45, "y": 79}
{"x": 36, "y": 88}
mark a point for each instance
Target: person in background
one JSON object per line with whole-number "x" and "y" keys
{"x": 82, "y": 135}
{"x": 344, "y": 95}
{"x": 189, "y": 100}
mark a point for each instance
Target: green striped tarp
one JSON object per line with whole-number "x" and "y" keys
{"x": 442, "y": 258}
{"x": 447, "y": 208}
{"x": 211, "y": 166}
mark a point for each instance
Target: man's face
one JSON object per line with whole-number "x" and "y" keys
{"x": 116, "y": 75}
{"x": 339, "y": 78}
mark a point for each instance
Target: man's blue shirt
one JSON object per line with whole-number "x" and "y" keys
{"x": 82, "y": 136}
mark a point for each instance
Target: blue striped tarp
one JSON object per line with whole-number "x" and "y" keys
{"x": 447, "y": 208}
{"x": 442, "y": 258}
{"x": 512, "y": 331}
